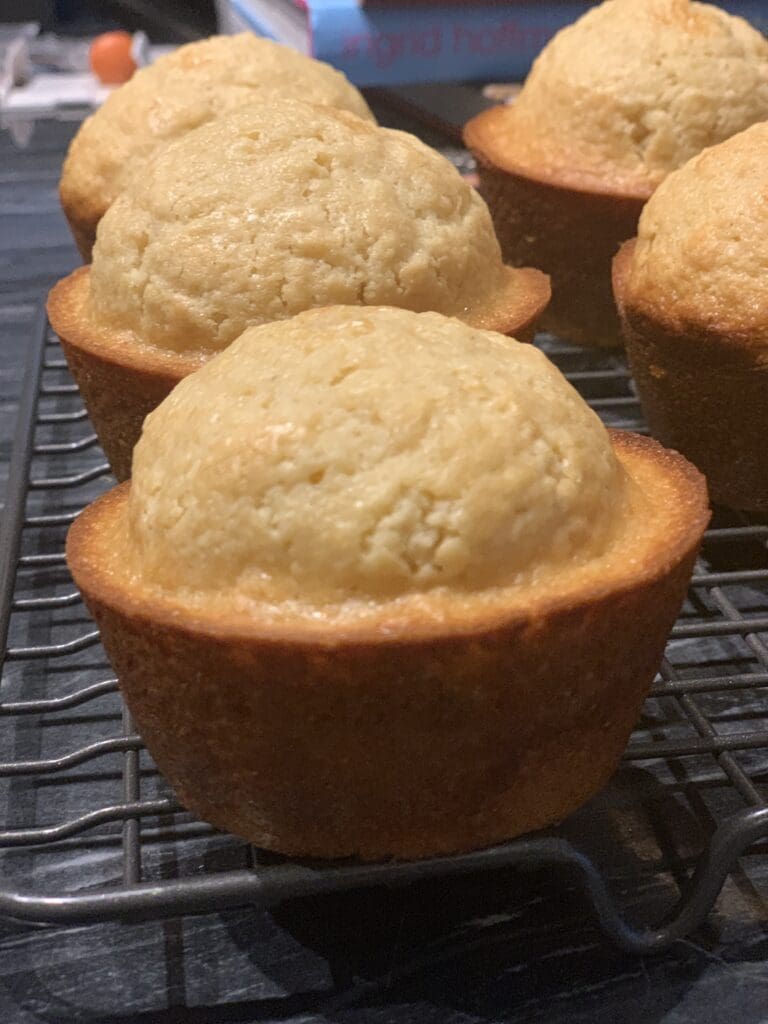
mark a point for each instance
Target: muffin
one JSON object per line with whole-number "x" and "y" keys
{"x": 383, "y": 585}
{"x": 255, "y": 217}
{"x": 693, "y": 296}
{"x": 179, "y": 92}
{"x": 567, "y": 167}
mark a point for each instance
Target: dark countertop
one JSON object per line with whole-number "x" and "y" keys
{"x": 506, "y": 947}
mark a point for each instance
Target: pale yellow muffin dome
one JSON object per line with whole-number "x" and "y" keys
{"x": 179, "y": 92}
{"x": 635, "y": 88}
{"x": 701, "y": 256}
{"x": 369, "y": 453}
{"x": 272, "y": 210}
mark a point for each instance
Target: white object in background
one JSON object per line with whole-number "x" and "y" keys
{"x": 50, "y": 94}
{"x": 15, "y": 65}
{"x": 228, "y": 20}
{"x": 44, "y": 76}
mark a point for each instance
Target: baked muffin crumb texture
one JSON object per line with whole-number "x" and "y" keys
{"x": 272, "y": 210}
{"x": 367, "y": 454}
{"x": 181, "y": 91}
{"x": 701, "y": 256}
{"x": 634, "y": 89}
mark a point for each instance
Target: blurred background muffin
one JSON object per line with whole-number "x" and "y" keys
{"x": 178, "y": 92}
{"x": 615, "y": 102}
{"x": 693, "y": 291}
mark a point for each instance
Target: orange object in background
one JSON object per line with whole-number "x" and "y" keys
{"x": 111, "y": 57}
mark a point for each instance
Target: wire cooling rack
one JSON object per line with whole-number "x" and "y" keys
{"x": 91, "y": 832}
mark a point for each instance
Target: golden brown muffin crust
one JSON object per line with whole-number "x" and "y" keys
{"x": 665, "y": 508}
{"x": 703, "y": 388}
{"x": 700, "y": 261}
{"x": 434, "y": 733}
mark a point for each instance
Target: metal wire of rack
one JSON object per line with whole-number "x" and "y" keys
{"x": 90, "y": 831}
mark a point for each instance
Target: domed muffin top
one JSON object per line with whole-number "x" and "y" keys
{"x": 366, "y": 454}
{"x": 701, "y": 256}
{"x": 276, "y": 209}
{"x": 181, "y": 91}
{"x": 635, "y": 88}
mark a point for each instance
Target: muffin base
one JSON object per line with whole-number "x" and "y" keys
{"x": 704, "y": 393}
{"x": 118, "y": 397}
{"x": 377, "y": 742}
{"x": 571, "y": 233}
{"x": 122, "y": 382}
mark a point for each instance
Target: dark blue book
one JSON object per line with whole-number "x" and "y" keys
{"x": 400, "y": 42}
{"x": 387, "y": 44}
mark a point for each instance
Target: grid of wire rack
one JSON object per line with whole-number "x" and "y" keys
{"x": 91, "y": 832}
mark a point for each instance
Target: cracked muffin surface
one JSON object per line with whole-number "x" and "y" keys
{"x": 365, "y": 454}
{"x": 179, "y": 92}
{"x": 701, "y": 254}
{"x": 269, "y": 211}
{"x": 634, "y": 89}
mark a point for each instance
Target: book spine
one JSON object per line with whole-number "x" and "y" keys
{"x": 397, "y": 45}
